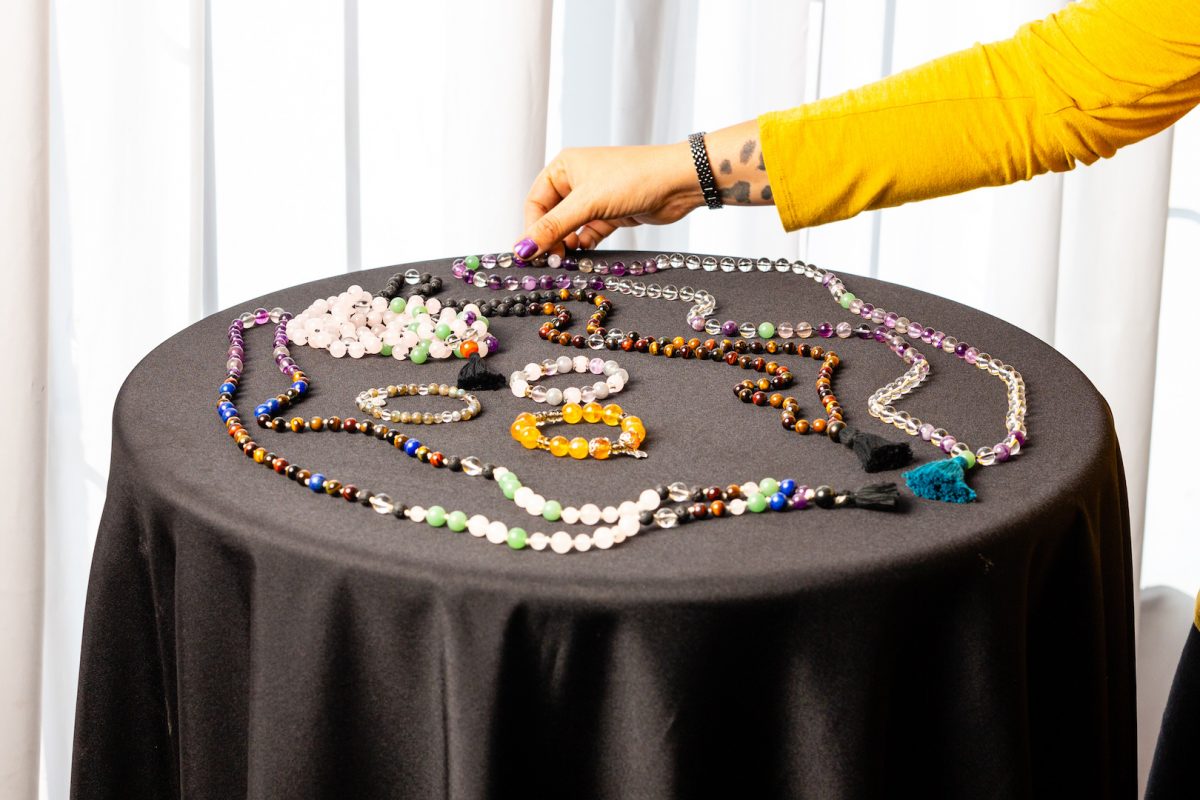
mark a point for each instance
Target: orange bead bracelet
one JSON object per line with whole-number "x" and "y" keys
{"x": 526, "y": 429}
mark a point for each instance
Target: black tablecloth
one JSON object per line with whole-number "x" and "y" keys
{"x": 245, "y": 637}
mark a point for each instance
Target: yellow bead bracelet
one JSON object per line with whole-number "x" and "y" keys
{"x": 526, "y": 429}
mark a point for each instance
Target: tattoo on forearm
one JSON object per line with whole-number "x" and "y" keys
{"x": 726, "y": 167}
{"x": 761, "y": 164}
{"x": 738, "y": 193}
{"x": 766, "y": 193}
{"x": 747, "y": 151}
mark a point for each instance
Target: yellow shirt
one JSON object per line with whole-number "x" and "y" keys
{"x": 1076, "y": 86}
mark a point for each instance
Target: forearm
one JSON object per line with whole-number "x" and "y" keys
{"x": 737, "y": 164}
{"x": 1075, "y": 87}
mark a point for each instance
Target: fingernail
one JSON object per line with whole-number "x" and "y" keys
{"x": 525, "y": 248}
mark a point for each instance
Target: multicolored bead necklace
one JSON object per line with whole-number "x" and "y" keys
{"x": 646, "y": 513}
{"x": 941, "y": 481}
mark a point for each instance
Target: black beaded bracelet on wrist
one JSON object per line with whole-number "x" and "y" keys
{"x": 708, "y": 184}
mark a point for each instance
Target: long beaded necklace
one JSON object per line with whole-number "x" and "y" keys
{"x": 645, "y": 513}
{"x": 937, "y": 480}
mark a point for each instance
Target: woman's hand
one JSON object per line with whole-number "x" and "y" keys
{"x": 586, "y": 193}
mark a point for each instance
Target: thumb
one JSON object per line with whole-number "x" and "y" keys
{"x": 554, "y": 226}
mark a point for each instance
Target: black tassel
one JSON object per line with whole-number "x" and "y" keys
{"x": 875, "y": 453}
{"x": 876, "y": 497}
{"x": 475, "y": 376}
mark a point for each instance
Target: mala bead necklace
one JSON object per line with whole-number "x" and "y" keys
{"x": 496, "y": 532}
{"x": 748, "y": 392}
{"x": 937, "y": 480}
{"x": 874, "y": 453}
{"x": 355, "y": 323}
{"x": 526, "y": 429}
{"x": 374, "y": 402}
{"x": 522, "y": 382}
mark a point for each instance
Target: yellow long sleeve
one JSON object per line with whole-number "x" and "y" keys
{"x": 1076, "y": 86}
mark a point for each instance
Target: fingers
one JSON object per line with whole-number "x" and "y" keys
{"x": 554, "y": 226}
{"x": 594, "y": 232}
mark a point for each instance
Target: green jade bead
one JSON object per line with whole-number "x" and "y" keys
{"x": 456, "y": 521}
{"x": 397, "y": 305}
{"x": 516, "y": 538}
{"x": 471, "y": 262}
{"x": 847, "y": 299}
{"x": 757, "y": 503}
{"x": 968, "y": 459}
{"x": 768, "y": 486}
{"x": 442, "y": 331}
{"x": 766, "y": 330}
{"x": 552, "y": 510}
{"x": 420, "y": 353}
{"x": 435, "y": 516}
{"x": 385, "y": 350}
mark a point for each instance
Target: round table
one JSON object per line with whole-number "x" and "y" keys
{"x": 245, "y": 637}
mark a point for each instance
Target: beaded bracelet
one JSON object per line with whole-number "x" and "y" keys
{"x": 526, "y": 429}
{"x": 521, "y": 382}
{"x": 374, "y": 402}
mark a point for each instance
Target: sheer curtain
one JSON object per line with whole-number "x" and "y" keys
{"x": 202, "y": 152}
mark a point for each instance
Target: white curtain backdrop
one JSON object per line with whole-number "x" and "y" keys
{"x": 202, "y": 152}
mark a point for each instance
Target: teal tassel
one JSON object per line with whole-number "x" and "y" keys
{"x": 940, "y": 480}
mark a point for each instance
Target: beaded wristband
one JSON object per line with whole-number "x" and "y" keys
{"x": 526, "y": 429}
{"x": 521, "y": 382}
{"x": 374, "y": 402}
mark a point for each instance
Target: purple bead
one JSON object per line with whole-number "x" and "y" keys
{"x": 926, "y": 431}
{"x": 1003, "y": 453}
{"x": 458, "y": 270}
{"x": 493, "y": 344}
{"x": 601, "y": 267}
{"x": 546, "y": 282}
{"x": 696, "y": 322}
{"x": 1020, "y": 437}
{"x": 798, "y": 500}
{"x": 915, "y": 329}
{"x": 729, "y": 327}
{"x": 948, "y": 444}
{"x": 825, "y": 330}
{"x": 960, "y": 349}
{"x": 562, "y": 282}
{"x": 865, "y": 311}
{"x": 926, "y": 335}
{"x": 938, "y": 338}
{"x": 880, "y": 334}
{"x": 470, "y": 318}
{"x": 972, "y": 355}
{"x": 488, "y": 261}
{"x": 511, "y": 282}
{"x": 862, "y": 331}
{"x": 829, "y": 276}
{"x": 494, "y": 282}
{"x": 651, "y": 266}
{"x": 636, "y": 267}
{"x": 618, "y": 268}
{"x": 570, "y": 264}
{"x": 597, "y": 283}
{"x": 890, "y": 319}
{"x": 458, "y": 261}
{"x": 519, "y": 262}
{"x": 528, "y": 283}
{"x": 261, "y": 316}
